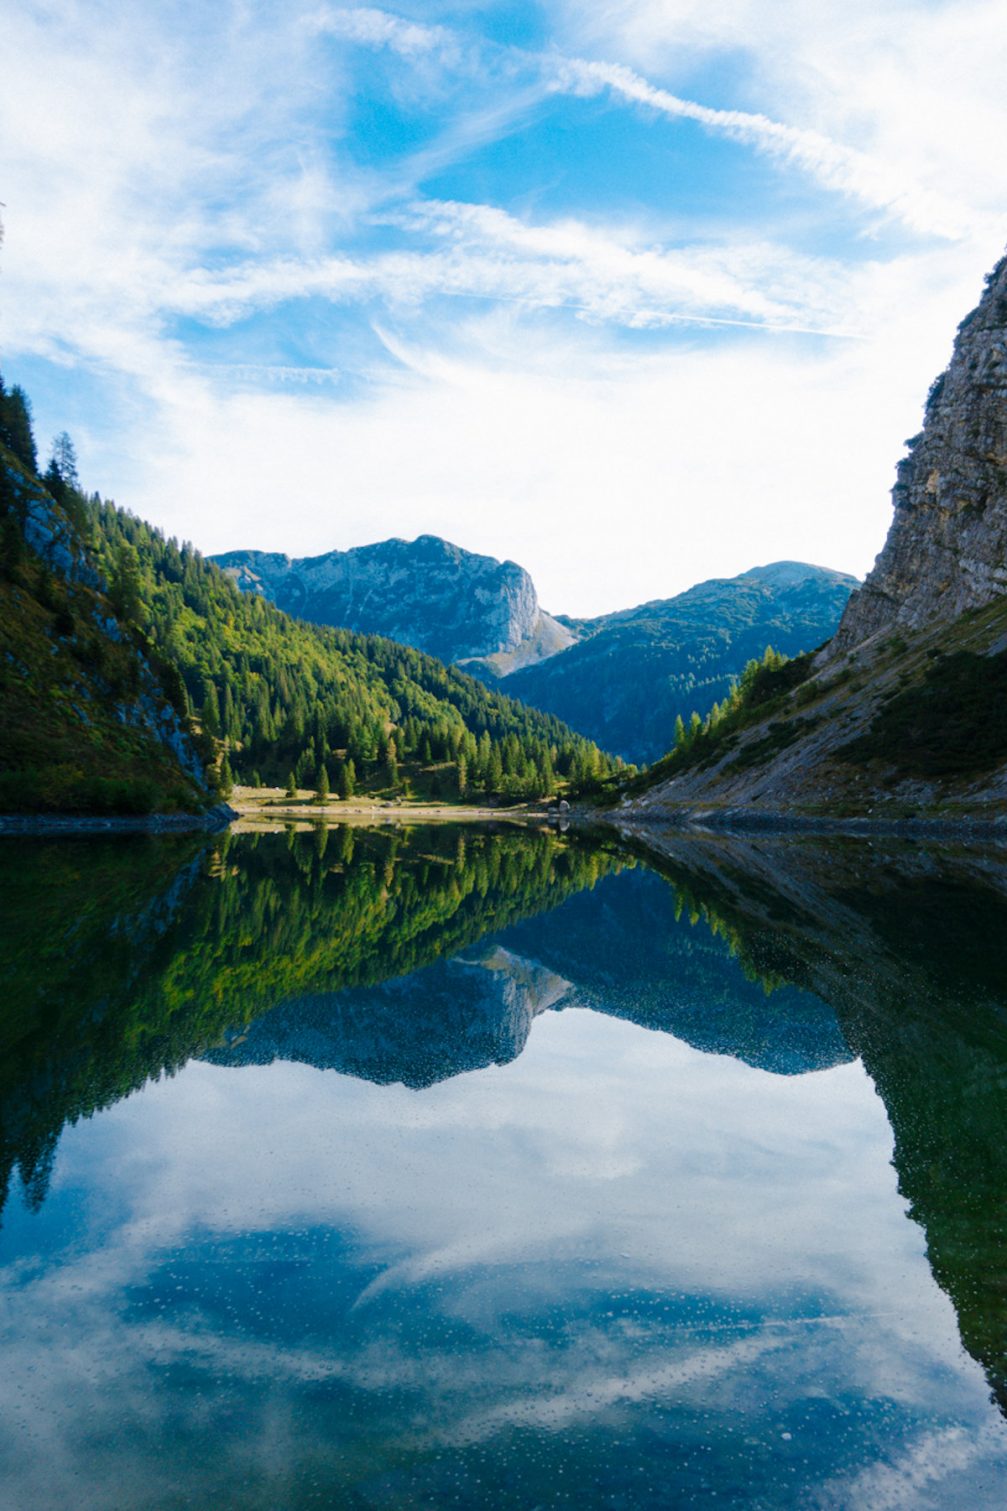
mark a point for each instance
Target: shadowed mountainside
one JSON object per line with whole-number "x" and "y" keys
{"x": 631, "y": 674}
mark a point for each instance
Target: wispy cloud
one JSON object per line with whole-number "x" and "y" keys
{"x": 379, "y": 28}
{"x": 481, "y": 252}
{"x": 872, "y": 181}
{"x": 833, "y": 165}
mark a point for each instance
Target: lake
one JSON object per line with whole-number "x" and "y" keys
{"x": 463, "y": 1167}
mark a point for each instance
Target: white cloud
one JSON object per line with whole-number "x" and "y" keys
{"x": 615, "y": 474}
{"x": 904, "y": 98}
{"x": 546, "y": 1170}
{"x": 481, "y": 252}
{"x": 874, "y": 183}
{"x": 507, "y": 410}
{"x": 378, "y": 28}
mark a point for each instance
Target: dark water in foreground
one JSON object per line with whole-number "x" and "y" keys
{"x": 457, "y": 1169}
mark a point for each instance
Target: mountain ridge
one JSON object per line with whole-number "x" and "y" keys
{"x": 630, "y": 674}
{"x": 621, "y": 679}
{"x": 428, "y": 593}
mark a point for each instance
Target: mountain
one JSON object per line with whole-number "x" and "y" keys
{"x": 290, "y": 697}
{"x": 632, "y": 673}
{"x": 453, "y": 1016}
{"x": 620, "y": 679}
{"x": 426, "y": 593}
{"x": 88, "y": 724}
{"x": 904, "y": 713}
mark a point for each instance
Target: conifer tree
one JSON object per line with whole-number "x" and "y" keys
{"x": 322, "y": 784}
{"x": 391, "y": 771}
{"x": 63, "y": 460}
{"x": 16, "y": 427}
{"x": 291, "y": 785}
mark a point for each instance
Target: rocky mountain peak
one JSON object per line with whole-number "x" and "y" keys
{"x": 947, "y": 547}
{"x": 427, "y": 592}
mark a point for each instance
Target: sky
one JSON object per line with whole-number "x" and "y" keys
{"x": 632, "y": 292}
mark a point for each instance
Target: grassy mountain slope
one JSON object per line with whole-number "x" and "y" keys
{"x": 86, "y": 726}
{"x": 629, "y": 677}
{"x": 902, "y": 726}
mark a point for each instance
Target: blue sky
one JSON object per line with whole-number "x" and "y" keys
{"x": 634, "y": 293}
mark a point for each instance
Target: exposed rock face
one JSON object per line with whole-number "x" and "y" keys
{"x": 947, "y": 547}
{"x": 67, "y": 678}
{"x": 902, "y": 715}
{"x": 426, "y": 593}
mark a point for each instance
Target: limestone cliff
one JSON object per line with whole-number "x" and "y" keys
{"x": 426, "y": 593}
{"x": 903, "y": 714}
{"x": 947, "y": 547}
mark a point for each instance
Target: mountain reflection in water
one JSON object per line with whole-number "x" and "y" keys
{"x": 565, "y": 1279}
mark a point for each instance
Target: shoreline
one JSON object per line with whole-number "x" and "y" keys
{"x": 749, "y": 821}
{"x": 381, "y": 813}
{"x": 244, "y": 814}
{"x": 221, "y": 816}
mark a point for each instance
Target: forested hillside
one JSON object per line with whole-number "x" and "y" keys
{"x": 86, "y": 720}
{"x": 177, "y": 944}
{"x": 266, "y": 698}
{"x": 328, "y": 707}
{"x": 632, "y": 674}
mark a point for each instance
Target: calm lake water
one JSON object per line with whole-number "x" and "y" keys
{"x": 460, "y": 1168}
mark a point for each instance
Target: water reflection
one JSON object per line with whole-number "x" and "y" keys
{"x": 652, "y": 1254}
{"x": 124, "y": 958}
{"x": 909, "y": 947}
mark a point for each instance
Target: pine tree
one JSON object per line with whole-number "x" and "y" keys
{"x": 291, "y": 785}
{"x": 124, "y": 588}
{"x": 16, "y": 427}
{"x": 462, "y": 776}
{"x": 322, "y": 785}
{"x": 350, "y": 777}
{"x": 63, "y": 460}
{"x": 391, "y": 769}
